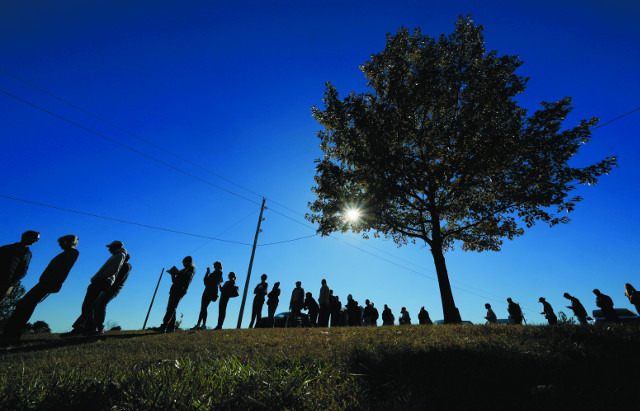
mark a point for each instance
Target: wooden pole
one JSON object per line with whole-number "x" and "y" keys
{"x": 253, "y": 252}
{"x": 154, "y": 297}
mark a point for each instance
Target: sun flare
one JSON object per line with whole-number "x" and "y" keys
{"x": 352, "y": 215}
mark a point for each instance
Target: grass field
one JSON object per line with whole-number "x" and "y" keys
{"x": 402, "y": 367}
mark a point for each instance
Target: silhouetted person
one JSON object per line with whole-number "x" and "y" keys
{"x": 423, "y": 317}
{"x": 258, "y": 301}
{"x": 228, "y": 290}
{"x": 100, "y": 283}
{"x": 14, "y": 262}
{"x": 491, "y": 316}
{"x": 387, "y": 316}
{"x": 212, "y": 281}
{"x": 296, "y": 303}
{"x": 369, "y": 314}
{"x": 633, "y": 296}
{"x": 96, "y": 322}
{"x": 547, "y": 311}
{"x": 181, "y": 280}
{"x": 374, "y": 315}
{"x": 605, "y": 303}
{"x": 353, "y": 311}
{"x": 50, "y": 282}
{"x": 336, "y": 308}
{"x": 312, "y": 306}
{"x": 325, "y": 305}
{"x": 272, "y": 302}
{"x": 405, "y": 319}
{"x": 577, "y": 308}
{"x": 515, "y": 312}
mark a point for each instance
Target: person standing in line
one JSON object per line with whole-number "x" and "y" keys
{"x": 423, "y": 317}
{"x": 367, "y": 315}
{"x": 212, "y": 283}
{"x": 311, "y": 305}
{"x": 405, "y": 319}
{"x": 491, "y": 316}
{"x": 633, "y": 296}
{"x": 605, "y": 303}
{"x": 181, "y": 280}
{"x": 100, "y": 310}
{"x": 515, "y": 312}
{"x": 547, "y": 311}
{"x": 295, "y": 304}
{"x": 273, "y": 298}
{"x": 50, "y": 282}
{"x": 100, "y": 283}
{"x": 336, "y": 307}
{"x": 387, "y": 316}
{"x": 578, "y": 309}
{"x": 228, "y": 290}
{"x": 258, "y": 301}
{"x": 325, "y": 305}
{"x": 354, "y": 316}
{"x": 14, "y": 262}
{"x": 374, "y": 315}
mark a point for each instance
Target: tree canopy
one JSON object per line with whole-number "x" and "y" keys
{"x": 440, "y": 151}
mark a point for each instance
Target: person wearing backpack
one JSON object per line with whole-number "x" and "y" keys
{"x": 515, "y": 312}
{"x": 228, "y": 290}
{"x": 212, "y": 282}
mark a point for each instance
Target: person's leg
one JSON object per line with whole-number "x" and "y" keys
{"x": 93, "y": 291}
{"x": 168, "y": 323}
{"x": 23, "y": 311}
{"x": 222, "y": 312}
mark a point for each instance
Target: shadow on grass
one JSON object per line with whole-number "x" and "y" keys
{"x": 469, "y": 379}
{"x": 55, "y": 341}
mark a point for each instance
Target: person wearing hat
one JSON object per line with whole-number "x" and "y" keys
{"x": 100, "y": 283}
{"x": 547, "y": 311}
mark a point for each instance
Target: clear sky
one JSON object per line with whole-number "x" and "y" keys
{"x": 229, "y": 86}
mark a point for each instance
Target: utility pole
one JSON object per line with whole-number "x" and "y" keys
{"x": 154, "y": 297}
{"x": 253, "y": 252}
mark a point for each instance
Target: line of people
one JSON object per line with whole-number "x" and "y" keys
{"x": 603, "y": 302}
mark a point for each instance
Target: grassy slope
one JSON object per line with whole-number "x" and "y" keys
{"x": 412, "y": 367}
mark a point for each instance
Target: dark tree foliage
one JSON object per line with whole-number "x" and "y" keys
{"x": 40, "y": 327}
{"x": 440, "y": 151}
{"x": 9, "y": 304}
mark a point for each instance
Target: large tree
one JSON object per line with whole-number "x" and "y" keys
{"x": 440, "y": 151}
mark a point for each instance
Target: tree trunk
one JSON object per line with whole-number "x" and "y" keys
{"x": 451, "y": 313}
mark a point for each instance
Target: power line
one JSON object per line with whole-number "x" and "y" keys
{"x": 617, "y": 118}
{"x": 129, "y": 148}
{"x": 128, "y": 132}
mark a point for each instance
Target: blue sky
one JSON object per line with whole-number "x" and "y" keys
{"x": 230, "y": 86}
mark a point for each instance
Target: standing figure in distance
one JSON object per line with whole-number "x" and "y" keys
{"x": 14, "y": 262}
{"x": 258, "y": 301}
{"x": 311, "y": 305}
{"x": 181, "y": 280}
{"x": 295, "y": 304}
{"x": 405, "y": 319}
{"x": 491, "y": 316}
{"x": 50, "y": 282}
{"x": 272, "y": 302}
{"x": 374, "y": 315}
{"x": 515, "y": 312}
{"x": 100, "y": 283}
{"x": 354, "y": 315}
{"x": 633, "y": 296}
{"x": 547, "y": 311}
{"x": 387, "y": 316}
{"x": 212, "y": 282}
{"x": 578, "y": 309}
{"x": 100, "y": 310}
{"x": 325, "y": 305}
{"x": 367, "y": 315}
{"x": 605, "y": 303}
{"x": 228, "y": 290}
{"x": 423, "y": 317}
{"x": 335, "y": 308}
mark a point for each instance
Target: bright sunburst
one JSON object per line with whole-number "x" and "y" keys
{"x": 352, "y": 215}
